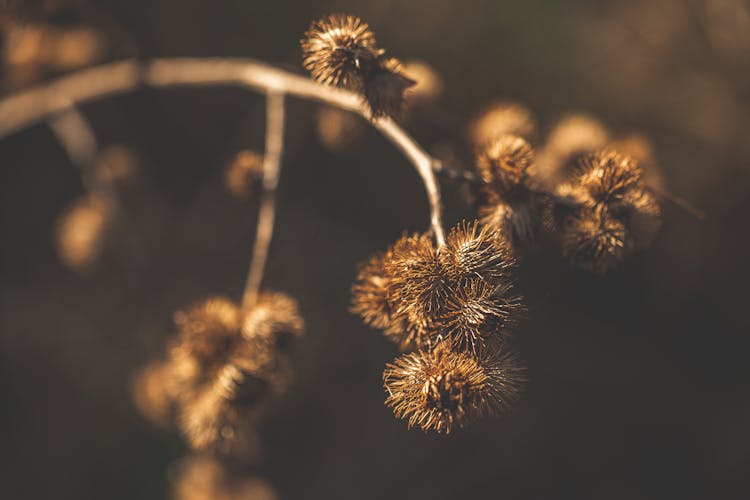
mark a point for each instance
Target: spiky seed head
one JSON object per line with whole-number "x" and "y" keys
{"x": 82, "y": 232}
{"x": 607, "y": 177}
{"x": 573, "y": 136}
{"x": 479, "y": 312}
{"x": 208, "y": 330}
{"x": 385, "y": 88}
{"x": 501, "y": 118}
{"x": 243, "y": 173}
{"x": 595, "y": 241}
{"x": 615, "y": 214}
{"x": 429, "y": 85}
{"x": 407, "y": 291}
{"x": 338, "y": 48}
{"x": 614, "y": 182}
{"x": 519, "y": 223}
{"x": 641, "y": 149}
{"x": 505, "y": 165}
{"x": 339, "y": 131}
{"x": 215, "y": 418}
{"x": 341, "y": 50}
{"x": 417, "y": 281}
{"x": 474, "y": 250}
{"x": 274, "y": 319}
{"x": 441, "y": 390}
{"x": 370, "y": 293}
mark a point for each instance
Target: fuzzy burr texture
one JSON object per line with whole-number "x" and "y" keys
{"x": 335, "y": 50}
{"x": 341, "y": 50}
{"x": 614, "y": 213}
{"x": 419, "y": 295}
{"x": 223, "y": 364}
{"x": 510, "y": 201}
{"x": 442, "y": 390}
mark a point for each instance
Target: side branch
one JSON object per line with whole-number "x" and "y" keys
{"x": 30, "y": 106}
{"x": 267, "y": 213}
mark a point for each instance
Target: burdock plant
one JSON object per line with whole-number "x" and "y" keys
{"x": 450, "y": 303}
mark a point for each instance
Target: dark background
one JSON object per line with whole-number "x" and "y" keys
{"x": 639, "y": 381}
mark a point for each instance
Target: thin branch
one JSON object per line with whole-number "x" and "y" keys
{"x": 678, "y": 202}
{"x": 30, "y": 106}
{"x": 267, "y": 213}
{"x": 76, "y": 136}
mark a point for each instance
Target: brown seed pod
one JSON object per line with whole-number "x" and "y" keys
{"x": 595, "y": 241}
{"x": 370, "y": 293}
{"x": 519, "y": 223}
{"x": 641, "y": 150}
{"x": 505, "y": 165}
{"x": 511, "y": 203}
{"x": 385, "y": 88}
{"x": 479, "y": 312}
{"x": 411, "y": 291}
{"x": 442, "y": 390}
{"x": 473, "y": 250}
{"x": 338, "y": 50}
{"x": 613, "y": 215}
{"x": 221, "y": 415}
{"x": 82, "y": 232}
{"x": 207, "y": 332}
{"x": 341, "y": 50}
{"x": 242, "y": 175}
{"x": 273, "y": 320}
{"x": 501, "y": 118}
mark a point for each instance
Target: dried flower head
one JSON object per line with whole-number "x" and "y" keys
{"x": 221, "y": 415}
{"x": 339, "y": 131}
{"x": 518, "y": 223}
{"x": 420, "y": 296}
{"x": 442, "y": 390}
{"x": 641, "y": 150}
{"x": 200, "y": 477}
{"x": 501, "y": 118}
{"x": 341, "y": 50}
{"x": 274, "y": 319}
{"x": 510, "y": 202}
{"x": 222, "y": 366}
{"x": 505, "y": 165}
{"x": 571, "y": 138}
{"x": 82, "y": 232}
{"x": 384, "y": 88}
{"x": 614, "y": 213}
{"x": 243, "y": 173}
{"x": 594, "y": 240}
{"x": 337, "y": 50}
{"x": 208, "y": 331}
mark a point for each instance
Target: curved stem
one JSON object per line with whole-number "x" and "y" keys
{"x": 267, "y": 213}
{"x": 30, "y": 106}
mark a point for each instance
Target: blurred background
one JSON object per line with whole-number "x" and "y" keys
{"x": 639, "y": 381}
